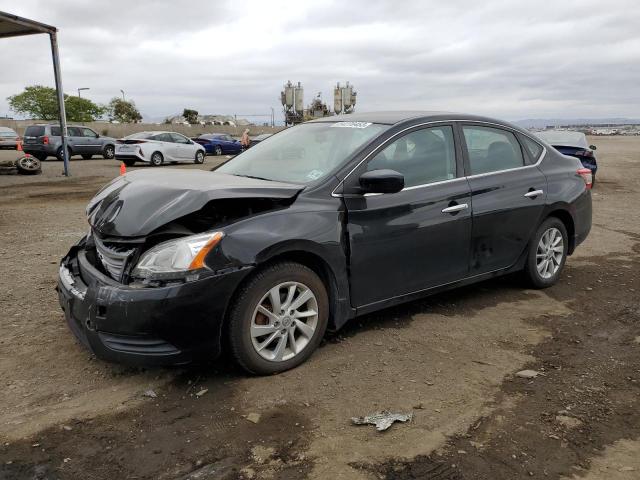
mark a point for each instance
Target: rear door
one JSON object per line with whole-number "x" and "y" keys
{"x": 418, "y": 238}
{"x": 508, "y": 195}
{"x": 77, "y": 141}
{"x": 34, "y": 135}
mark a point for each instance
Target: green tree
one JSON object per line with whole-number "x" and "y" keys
{"x": 41, "y": 103}
{"x": 123, "y": 111}
{"x": 82, "y": 109}
{"x": 191, "y": 116}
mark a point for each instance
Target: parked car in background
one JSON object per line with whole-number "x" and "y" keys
{"x": 44, "y": 141}
{"x": 573, "y": 144}
{"x": 328, "y": 220}
{"x": 157, "y": 148}
{"x": 259, "y": 138}
{"x": 219, "y": 144}
{"x": 8, "y": 138}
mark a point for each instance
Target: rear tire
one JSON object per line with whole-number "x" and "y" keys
{"x": 291, "y": 334}
{"x": 217, "y": 150}
{"x": 547, "y": 253}
{"x": 109, "y": 152}
{"x": 60, "y": 156}
{"x": 157, "y": 159}
{"x": 87, "y": 157}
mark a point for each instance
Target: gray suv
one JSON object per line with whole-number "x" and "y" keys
{"x": 44, "y": 141}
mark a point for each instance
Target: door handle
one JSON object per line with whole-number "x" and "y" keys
{"x": 455, "y": 208}
{"x": 533, "y": 193}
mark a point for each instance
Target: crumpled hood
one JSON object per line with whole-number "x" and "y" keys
{"x": 137, "y": 203}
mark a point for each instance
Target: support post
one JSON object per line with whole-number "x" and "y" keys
{"x": 60, "y": 93}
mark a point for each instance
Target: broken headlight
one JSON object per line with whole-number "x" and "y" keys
{"x": 177, "y": 258}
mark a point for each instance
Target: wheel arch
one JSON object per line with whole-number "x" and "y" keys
{"x": 567, "y": 219}
{"x": 312, "y": 260}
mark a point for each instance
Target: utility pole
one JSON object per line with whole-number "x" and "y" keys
{"x": 80, "y": 89}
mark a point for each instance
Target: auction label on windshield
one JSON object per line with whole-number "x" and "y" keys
{"x": 351, "y": 124}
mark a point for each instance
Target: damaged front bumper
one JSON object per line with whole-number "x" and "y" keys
{"x": 169, "y": 325}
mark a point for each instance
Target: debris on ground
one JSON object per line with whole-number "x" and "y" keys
{"x": 150, "y": 394}
{"x": 202, "y": 392}
{"x": 382, "y": 420}
{"x": 528, "y": 374}
{"x": 569, "y": 422}
{"x": 253, "y": 417}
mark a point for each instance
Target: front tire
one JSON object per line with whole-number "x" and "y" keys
{"x": 547, "y": 253}
{"x": 157, "y": 159}
{"x": 217, "y": 150}
{"x": 199, "y": 157}
{"x": 278, "y": 318}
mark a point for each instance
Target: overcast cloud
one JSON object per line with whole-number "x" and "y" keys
{"x": 500, "y": 58}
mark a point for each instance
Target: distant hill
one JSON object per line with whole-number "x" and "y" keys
{"x": 556, "y": 122}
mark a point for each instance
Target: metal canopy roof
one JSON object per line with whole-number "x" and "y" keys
{"x": 14, "y": 26}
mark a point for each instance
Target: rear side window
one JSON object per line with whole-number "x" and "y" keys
{"x": 74, "y": 132}
{"x": 491, "y": 149}
{"x": 533, "y": 148}
{"x": 422, "y": 156}
{"x": 34, "y": 131}
{"x": 55, "y": 131}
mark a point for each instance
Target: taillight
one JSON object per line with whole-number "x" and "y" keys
{"x": 587, "y": 176}
{"x": 45, "y": 140}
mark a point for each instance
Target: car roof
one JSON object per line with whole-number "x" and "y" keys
{"x": 396, "y": 117}
{"x": 7, "y": 129}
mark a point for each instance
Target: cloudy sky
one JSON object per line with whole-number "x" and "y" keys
{"x": 514, "y": 60}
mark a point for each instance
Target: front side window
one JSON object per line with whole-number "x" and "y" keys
{"x": 491, "y": 149}
{"x": 177, "y": 138}
{"x": 422, "y": 156}
{"x": 87, "y": 132}
{"x": 304, "y": 153}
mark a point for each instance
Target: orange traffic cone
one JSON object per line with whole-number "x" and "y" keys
{"x": 123, "y": 168}
{"x": 19, "y": 146}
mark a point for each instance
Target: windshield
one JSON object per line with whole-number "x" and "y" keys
{"x": 304, "y": 153}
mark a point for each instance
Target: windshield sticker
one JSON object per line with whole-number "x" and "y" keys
{"x": 351, "y": 124}
{"x": 314, "y": 174}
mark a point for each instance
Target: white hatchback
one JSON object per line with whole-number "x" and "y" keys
{"x": 157, "y": 148}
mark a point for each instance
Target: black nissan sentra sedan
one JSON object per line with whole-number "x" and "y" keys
{"x": 327, "y": 220}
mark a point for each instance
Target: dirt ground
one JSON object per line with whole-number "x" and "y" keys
{"x": 450, "y": 359}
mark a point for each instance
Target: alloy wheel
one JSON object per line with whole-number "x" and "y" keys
{"x": 284, "y": 322}
{"x": 29, "y": 163}
{"x": 550, "y": 253}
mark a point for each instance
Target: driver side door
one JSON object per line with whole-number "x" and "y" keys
{"x": 417, "y": 238}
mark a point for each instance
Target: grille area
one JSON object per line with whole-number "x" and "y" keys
{"x": 113, "y": 256}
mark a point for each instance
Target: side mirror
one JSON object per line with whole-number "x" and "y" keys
{"x": 381, "y": 181}
{"x": 592, "y": 147}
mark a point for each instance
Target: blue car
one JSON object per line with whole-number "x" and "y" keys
{"x": 219, "y": 144}
{"x": 573, "y": 144}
